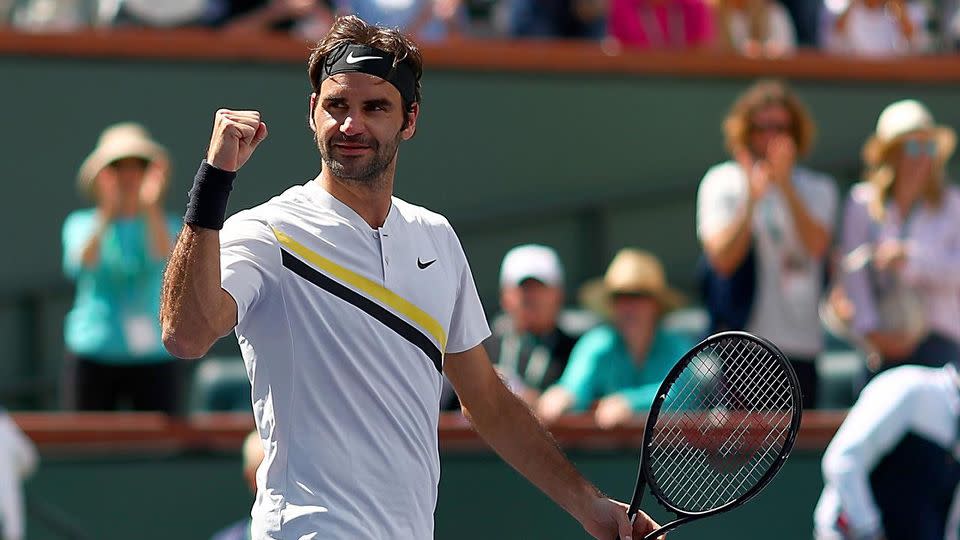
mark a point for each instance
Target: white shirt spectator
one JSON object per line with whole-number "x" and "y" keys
{"x": 789, "y": 281}
{"x": 906, "y": 401}
{"x": 18, "y": 459}
{"x": 875, "y": 32}
{"x": 780, "y": 33}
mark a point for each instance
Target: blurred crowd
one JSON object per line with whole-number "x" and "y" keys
{"x": 772, "y": 28}
{"x": 785, "y": 255}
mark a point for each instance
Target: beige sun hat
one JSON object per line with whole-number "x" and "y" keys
{"x": 119, "y": 141}
{"x": 902, "y": 118}
{"x": 631, "y": 271}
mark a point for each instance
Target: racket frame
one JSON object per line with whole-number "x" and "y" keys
{"x": 643, "y": 475}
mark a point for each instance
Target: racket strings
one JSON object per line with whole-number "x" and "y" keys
{"x": 723, "y": 424}
{"x": 734, "y": 442}
{"x": 731, "y": 445}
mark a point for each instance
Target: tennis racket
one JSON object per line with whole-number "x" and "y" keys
{"x": 721, "y": 427}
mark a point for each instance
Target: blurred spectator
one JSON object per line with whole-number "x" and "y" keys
{"x": 905, "y": 218}
{"x": 891, "y": 472}
{"x": 252, "y": 457}
{"x": 623, "y": 363}
{"x": 806, "y": 16}
{"x": 151, "y": 13}
{"x": 765, "y": 225}
{"x": 572, "y": 19}
{"x": 879, "y": 28}
{"x": 50, "y": 15}
{"x": 950, "y": 24}
{"x": 18, "y": 460}
{"x": 307, "y": 19}
{"x": 530, "y": 343}
{"x": 756, "y": 27}
{"x": 661, "y": 24}
{"x": 116, "y": 252}
{"x": 425, "y": 20}
{"x": 527, "y": 345}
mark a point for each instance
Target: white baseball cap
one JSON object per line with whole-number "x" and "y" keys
{"x": 531, "y": 261}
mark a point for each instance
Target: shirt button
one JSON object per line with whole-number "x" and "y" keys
{"x": 376, "y": 234}
{"x": 388, "y": 260}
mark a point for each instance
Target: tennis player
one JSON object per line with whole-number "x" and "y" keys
{"x": 347, "y": 303}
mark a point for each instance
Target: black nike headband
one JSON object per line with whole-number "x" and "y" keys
{"x": 353, "y": 58}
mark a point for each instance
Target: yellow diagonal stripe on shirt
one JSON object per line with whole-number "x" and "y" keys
{"x": 368, "y": 287}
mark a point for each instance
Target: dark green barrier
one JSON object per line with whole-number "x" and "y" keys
{"x": 190, "y": 496}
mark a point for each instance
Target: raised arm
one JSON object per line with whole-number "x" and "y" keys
{"x": 725, "y": 205}
{"x": 195, "y": 311}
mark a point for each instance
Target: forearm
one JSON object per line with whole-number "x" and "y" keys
{"x": 158, "y": 236}
{"x": 932, "y": 267}
{"x": 814, "y": 236}
{"x": 640, "y": 397}
{"x": 510, "y": 428}
{"x": 727, "y": 249}
{"x": 90, "y": 253}
{"x": 194, "y": 309}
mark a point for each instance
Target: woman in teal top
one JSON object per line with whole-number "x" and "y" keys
{"x": 623, "y": 363}
{"x": 116, "y": 252}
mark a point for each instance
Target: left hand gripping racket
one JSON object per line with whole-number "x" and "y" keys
{"x": 721, "y": 427}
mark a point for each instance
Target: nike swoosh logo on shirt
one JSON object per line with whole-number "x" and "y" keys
{"x": 351, "y": 59}
{"x": 422, "y": 265}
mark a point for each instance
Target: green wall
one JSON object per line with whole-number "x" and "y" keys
{"x": 587, "y": 163}
{"x": 190, "y": 496}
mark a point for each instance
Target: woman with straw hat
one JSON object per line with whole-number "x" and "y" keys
{"x": 115, "y": 252}
{"x": 905, "y": 221}
{"x": 622, "y": 363}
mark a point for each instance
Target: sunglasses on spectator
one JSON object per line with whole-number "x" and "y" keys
{"x": 914, "y": 148}
{"x": 770, "y": 127}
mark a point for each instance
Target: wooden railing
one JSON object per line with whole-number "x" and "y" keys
{"x": 536, "y": 56}
{"x": 106, "y": 433}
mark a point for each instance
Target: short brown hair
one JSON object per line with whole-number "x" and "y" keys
{"x": 736, "y": 126}
{"x": 353, "y": 29}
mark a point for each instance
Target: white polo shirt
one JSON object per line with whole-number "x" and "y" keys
{"x": 343, "y": 330}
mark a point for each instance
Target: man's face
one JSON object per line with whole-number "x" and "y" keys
{"x": 532, "y": 305}
{"x": 359, "y": 123}
{"x": 767, "y": 124}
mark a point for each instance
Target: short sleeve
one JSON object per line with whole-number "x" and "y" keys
{"x": 581, "y": 376}
{"x": 77, "y": 229}
{"x": 822, "y": 200}
{"x": 249, "y": 260}
{"x": 720, "y": 197}
{"x": 468, "y": 324}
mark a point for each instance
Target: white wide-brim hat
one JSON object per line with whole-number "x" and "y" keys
{"x": 119, "y": 141}
{"x": 900, "y": 119}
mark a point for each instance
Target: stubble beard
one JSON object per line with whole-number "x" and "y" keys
{"x": 368, "y": 172}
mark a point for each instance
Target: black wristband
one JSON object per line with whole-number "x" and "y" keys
{"x": 208, "y": 197}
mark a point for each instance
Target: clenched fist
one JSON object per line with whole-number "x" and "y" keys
{"x": 236, "y": 134}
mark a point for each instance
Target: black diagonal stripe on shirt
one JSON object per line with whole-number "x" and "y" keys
{"x": 404, "y": 329}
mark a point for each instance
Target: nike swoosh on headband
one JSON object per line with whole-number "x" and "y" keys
{"x": 351, "y": 59}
